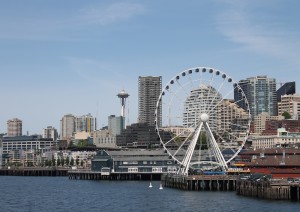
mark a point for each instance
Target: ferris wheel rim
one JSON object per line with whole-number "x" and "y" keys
{"x": 185, "y": 73}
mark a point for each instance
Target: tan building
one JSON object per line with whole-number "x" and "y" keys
{"x": 14, "y": 127}
{"x": 104, "y": 139}
{"x": 231, "y": 118}
{"x": 290, "y": 104}
{"x": 260, "y": 121}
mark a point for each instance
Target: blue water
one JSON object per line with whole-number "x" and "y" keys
{"x": 62, "y": 194}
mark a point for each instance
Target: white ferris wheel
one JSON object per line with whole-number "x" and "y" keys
{"x": 200, "y": 118}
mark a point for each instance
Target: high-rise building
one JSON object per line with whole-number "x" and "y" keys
{"x": 260, "y": 92}
{"x": 50, "y": 132}
{"x": 14, "y": 127}
{"x": 67, "y": 127}
{"x": 86, "y": 123}
{"x": 149, "y": 91}
{"x": 116, "y": 124}
{"x": 287, "y": 89}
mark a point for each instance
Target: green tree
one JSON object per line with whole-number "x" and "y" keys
{"x": 62, "y": 161}
{"x": 67, "y": 161}
{"x": 72, "y": 162}
{"x": 286, "y": 115}
{"x": 58, "y": 162}
{"x": 53, "y": 162}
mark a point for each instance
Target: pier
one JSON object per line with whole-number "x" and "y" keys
{"x": 270, "y": 189}
{"x": 34, "y": 171}
{"x": 98, "y": 175}
{"x": 200, "y": 182}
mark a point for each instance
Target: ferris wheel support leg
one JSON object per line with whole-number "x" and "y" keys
{"x": 189, "y": 153}
{"x": 216, "y": 149}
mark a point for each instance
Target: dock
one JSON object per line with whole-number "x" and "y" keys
{"x": 98, "y": 175}
{"x": 34, "y": 171}
{"x": 274, "y": 189}
{"x": 200, "y": 182}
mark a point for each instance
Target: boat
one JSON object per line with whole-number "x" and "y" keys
{"x": 150, "y": 186}
{"x": 160, "y": 187}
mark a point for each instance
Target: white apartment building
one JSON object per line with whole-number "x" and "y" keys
{"x": 201, "y": 100}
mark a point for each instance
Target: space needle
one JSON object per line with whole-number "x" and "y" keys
{"x": 123, "y": 96}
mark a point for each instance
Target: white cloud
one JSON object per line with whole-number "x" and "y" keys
{"x": 239, "y": 24}
{"x": 110, "y": 14}
{"x": 61, "y": 26}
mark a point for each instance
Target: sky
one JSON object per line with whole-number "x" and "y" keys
{"x": 72, "y": 56}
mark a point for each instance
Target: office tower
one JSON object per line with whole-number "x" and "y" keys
{"x": 261, "y": 95}
{"x": 14, "y": 127}
{"x": 50, "y": 132}
{"x": 116, "y": 124}
{"x": 67, "y": 127}
{"x": 286, "y": 89}
{"x": 86, "y": 123}
{"x": 149, "y": 91}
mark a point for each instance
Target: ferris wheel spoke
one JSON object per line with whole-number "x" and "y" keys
{"x": 220, "y": 101}
{"x": 201, "y": 97}
{"x": 209, "y": 88}
{"x": 216, "y": 94}
{"x": 226, "y": 133}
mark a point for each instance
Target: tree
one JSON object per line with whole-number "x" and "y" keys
{"x": 67, "y": 161}
{"x": 72, "y": 162}
{"x": 286, "y": 115}
{"x": 77, "y": 161}
{"x": 62, "y": 161}
{"x": 58, "y": 162}
{"x": 53, "y": 162}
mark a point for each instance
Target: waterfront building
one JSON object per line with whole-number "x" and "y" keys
{"x": 14, "y": 127}
{"x": 290, "y": 104}
{"x": 67, "y": 127}
{"x": 260, "y": 121}
{"x": 50, "y": 132}
{"x": 33, "y": 142}
{"x": 282, "y": 139}
{"x": 260, "y": 92}
{"x": 289, "y": 88}
{"x": 134, "y": 161}
{"x": 278, "y": 162}
{"x": 149, "y": 91}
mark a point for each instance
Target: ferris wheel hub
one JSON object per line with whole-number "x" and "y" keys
{"x": 204, "y": 117}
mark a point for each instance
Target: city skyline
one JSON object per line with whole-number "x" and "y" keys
{"x": 77, "y": 60}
